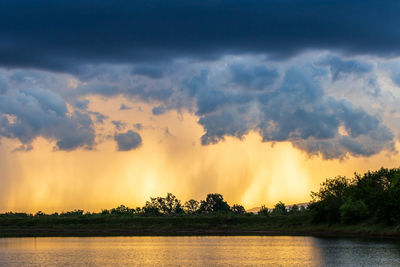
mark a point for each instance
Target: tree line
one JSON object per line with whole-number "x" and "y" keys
{"x": 170, "y": 205}
{"x": 373, "y": 197}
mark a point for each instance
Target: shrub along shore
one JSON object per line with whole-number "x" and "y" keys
{"x": 364, "y": 206}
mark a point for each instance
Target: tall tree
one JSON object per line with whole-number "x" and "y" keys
{"x": 214, "y": 203}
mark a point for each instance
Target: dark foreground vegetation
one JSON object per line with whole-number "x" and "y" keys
{"x": 366, "y": 205}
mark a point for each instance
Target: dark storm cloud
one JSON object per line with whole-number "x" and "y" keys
{"x": 209, "y": 100}
{"x": 338, "y": 147}
{"x": 140, "y": 91}
{"x": 124, "y": 107}
{"x": 97, "y": 88}
{"x": 3, "y": 87}
{"x": 339, "y": 67}
{"x": 119, "y": 125}
{"x": 138, "y": 126}
{"x": 253, "y": 77}
{"x": 226, "y": 122}
{"x": 158, "y": 110}
{"x": 300, "y": 109}
{"x": 300, "y": 112}
{"x": 82, "y": 104}
{"x": 149, "y": 94}
{"x": 99, "y": 117}
{"x": 128, "y": 141}
{"x": 151, "y": 71}
{"x": 231, "y": 97}
{"x": 62, "y": 35}
{"x": 28, "y": 114}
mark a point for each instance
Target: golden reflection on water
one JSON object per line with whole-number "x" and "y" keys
{"x": 195, "y": 251}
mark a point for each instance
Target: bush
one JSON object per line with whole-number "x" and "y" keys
{"x": 279, "y": 209}
{"x": 238, "y": 209}
{"x": 263, "y": 211}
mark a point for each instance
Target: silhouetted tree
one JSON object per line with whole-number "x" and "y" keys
{"x": 279, "y": 209}
{"x": 105, "y": 212}
{"x": 214, "y": 203}
{"x": 374, "y": 196}
{"x": 327, "y": 201}
{"x": 172, "y": 205}
{"x": 138, "y": 210}
{"x": 72, "y": 213}
{"x": 380, "y": 191}
{"x": 238, "y": 209}
{"x": 39, "y": 214}
{"x": 122, "y": 210}
{"x": 263, "y": 211}
{"x": 150, "y": 209}
{"x": 169, "y": 205}
{"x": 191, "y": 206}
{"x": 294, "y": 209}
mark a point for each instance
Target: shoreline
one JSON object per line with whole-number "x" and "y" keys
{"x": 324, "y": 232}
{"x": 216, "y": 225}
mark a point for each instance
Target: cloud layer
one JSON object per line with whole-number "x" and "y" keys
{"x": 304, "y": 71}
{"x": 63, "y": 36}
{"x": 281, "y": 101}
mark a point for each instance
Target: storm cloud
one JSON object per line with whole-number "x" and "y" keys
{"x": 299, "y": 111}
{"x": 128, "y": 141}
{"x": 28, "y": 114}
{"x": 340, "y": 67}
{"x": 63, "y": 36}
{"x": 265, "y": 66}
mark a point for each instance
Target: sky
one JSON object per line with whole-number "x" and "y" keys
{"x": 105, "y": 103}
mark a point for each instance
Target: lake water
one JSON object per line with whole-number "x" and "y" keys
{"x": 198, "y": 251}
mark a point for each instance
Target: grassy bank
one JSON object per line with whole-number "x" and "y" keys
{"x": 185, "y": 225}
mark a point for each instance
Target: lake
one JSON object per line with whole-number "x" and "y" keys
{"x": 198, "y": 251}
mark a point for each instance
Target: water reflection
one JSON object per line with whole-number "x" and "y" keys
{"x": 360, "y": 252}
{"x": 197, "y": 251}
